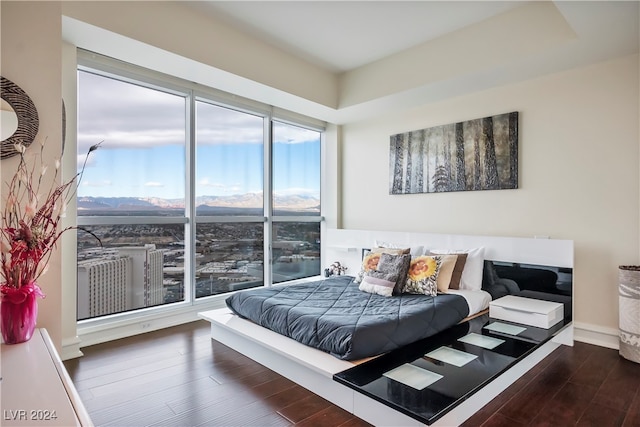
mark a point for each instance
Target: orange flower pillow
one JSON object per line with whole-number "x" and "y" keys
{"x": 369, "y": 263}
{"x": 423, "y": 275}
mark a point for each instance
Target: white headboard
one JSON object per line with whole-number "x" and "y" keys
{"x": 346, "y": 246}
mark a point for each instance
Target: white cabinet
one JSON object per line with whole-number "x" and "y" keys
{"x": 35, "y": 388}
{"x": 528, "y": 311}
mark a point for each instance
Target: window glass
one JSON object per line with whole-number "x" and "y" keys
{"x": 229, "y": 257}
{"x": 296, "y": 170}
{"x": 130, "y": 267}
{"x": 296, "y": 250}
{"x": 229, "y": 161}
{"x": 138, "y": 172}
{"x": 140, "y": 166}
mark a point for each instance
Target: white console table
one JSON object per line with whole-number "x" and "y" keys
{"x": 35, "y": 388}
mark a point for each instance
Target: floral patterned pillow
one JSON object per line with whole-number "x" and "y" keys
{"x": 423, "y": 274}
{"x": 369, "y": 263}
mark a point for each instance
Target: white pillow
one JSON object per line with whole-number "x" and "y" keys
{"x": 472, "y": 273}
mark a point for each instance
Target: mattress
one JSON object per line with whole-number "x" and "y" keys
{"x": 334, "y": 316}
{"x": 476, "y": 300}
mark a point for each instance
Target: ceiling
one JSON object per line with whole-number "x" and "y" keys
{"x": 343, "y": 35}
{"x": 385, "y": 56}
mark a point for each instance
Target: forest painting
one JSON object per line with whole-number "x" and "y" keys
{"x": 479, "y": 154}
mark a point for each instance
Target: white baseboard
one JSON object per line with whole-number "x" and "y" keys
{"x": 136, "y": 323}
{"x": 71, "y": 348}
{"x": 596, "y": 335}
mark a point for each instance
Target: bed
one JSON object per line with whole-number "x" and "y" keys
{"x": 316, "y": 369}
{"x": 334, "y": 316}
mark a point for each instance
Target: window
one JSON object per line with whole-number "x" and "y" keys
{"x": 229, "y": 183}
{"x": 143, "y": 158}
{"x": 190, "y": 195}
{"x": 229, "y": 257}
{"x": 131, "y": 198}
{"x": 141, "y": 264}
{"x": 296, "y": 200}
{"x": 296, "y": 250}
{"x": 229, "y": 161}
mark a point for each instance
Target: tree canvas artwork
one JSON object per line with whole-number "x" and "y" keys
{"x": 480, "y": 154}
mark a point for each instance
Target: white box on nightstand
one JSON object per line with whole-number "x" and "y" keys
{"x": 528, "y": 311}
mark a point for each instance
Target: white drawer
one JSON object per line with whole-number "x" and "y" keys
{"x": 528, "y": 311}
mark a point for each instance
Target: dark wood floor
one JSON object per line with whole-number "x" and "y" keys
{"x": 583, "y": 385}
{"x": 180, "y": 377}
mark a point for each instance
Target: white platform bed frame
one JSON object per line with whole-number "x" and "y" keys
{"x": 314, "y": 369}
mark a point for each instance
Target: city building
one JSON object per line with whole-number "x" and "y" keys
{"x": 146, "y": 272}
{"x": 132, "y": 278}
{"x": 104, "y": 286}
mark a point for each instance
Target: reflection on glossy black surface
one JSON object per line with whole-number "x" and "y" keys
{"x": 539, "y": 278}
{"x": 541, "y": 282}
{"x": 457, "y": 384}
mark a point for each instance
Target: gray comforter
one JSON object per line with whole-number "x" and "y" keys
{"x": 333, "y": 315}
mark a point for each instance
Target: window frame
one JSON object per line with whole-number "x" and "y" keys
{"x": 194, "y": 92}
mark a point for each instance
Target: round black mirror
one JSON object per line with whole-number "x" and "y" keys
{"x": 26, "y": 115}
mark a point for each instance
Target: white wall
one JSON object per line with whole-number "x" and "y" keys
{"x": 579, "y": 175}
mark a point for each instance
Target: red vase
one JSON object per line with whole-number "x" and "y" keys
{"x": 18, "y": 312}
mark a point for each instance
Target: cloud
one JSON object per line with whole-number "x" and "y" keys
{"x": 91, "y": 160}
{"x": 224, "y": 135}
{"x": 133, "y": 139}
{"x": 127, "y": 115}
{"x": 153, "y": 184}
{"x": 204, "y": 182}
{"x": 103, "y": 183}
{"x": 205, "y": 186}
{"x": 289, "y": 134}
{"x": 221, "y": 125}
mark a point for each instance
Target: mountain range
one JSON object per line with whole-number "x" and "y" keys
{"x": 238, "y": 201}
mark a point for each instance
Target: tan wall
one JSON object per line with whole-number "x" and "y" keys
{"x": 579, "y": 175}
{"x": 30, "y": 51}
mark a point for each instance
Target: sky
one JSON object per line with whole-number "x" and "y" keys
{"x": 143, "y": 134}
